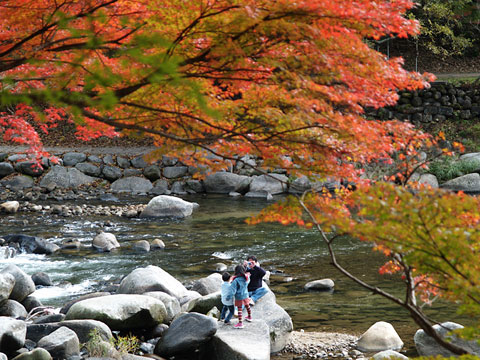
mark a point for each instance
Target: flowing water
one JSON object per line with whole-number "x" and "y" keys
{"x": 217, "y": 233}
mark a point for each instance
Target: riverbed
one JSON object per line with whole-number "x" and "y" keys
{"x": 217, "y": 232}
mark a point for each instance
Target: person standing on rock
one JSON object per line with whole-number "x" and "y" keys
{"x": 227, "y": 299}
{"x": 255, "y": 287}
{"x": 238, "y": 289}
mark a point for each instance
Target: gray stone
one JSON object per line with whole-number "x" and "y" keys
{"x": 111, "y": 173}
{"x": 73, "y": 158}
{"x": 12, "y": 334}
{"x": 151, "y": 278}
{"x": 380, "y": 336}
{"x": 16, "y": 157}
{"x": 389, "y": 355}
{"x": 172, "y": 305}
{"x": 173, "y": 172}
{"x": 51, "y": 318}
{"x": 18, "y": 182}
{"x": 120, "y": 312}
{"x": 189, "y": 296}
{"x": 69, "y": 304}
{"x": 186, "y": 334}
{"x": 95, "y": 159}
{"x": 31, "y": 302}
{"x": 427, "y": 346}
{"x": 5, "y": 169}
{"x": 169, "y": 161}
{"x": 195, "y": 185}
{"x": 31, "y": 244}
{"x": 168, "y": 206}
{"x": 13, "y": 309}
{"x": 259, "y": 194}
{"x": 3, "y": 156}
{"x": 227, "y": 344}
{"x": 35, "y": 354}
{"x": 61, "y": 344}
{"x": 7, "y": 282}
{"x": 108, "y": 160}
{"x": 123, "y": 162}
{"x": 10, "y": 207}
{"x": 66, "y": 178}
{"x": 323, "y": 284}
{"x": 132, "y": 172}
{"x": 466, "y": 183}
{"x": 141, "y": 245}
{"x": 157, "y": 244}
{"x": 160, "y": 187}
{"x": 178, "y": 188}
{"x": 83, "y": 329}
{"x": 220, "y": 267}
{"x": 470, "y": 157}
{"x": 204, "y": 303}
{"x": 271, "y": 183}
{"x": 24, "y": 285}
{"x": 105, "y": 242}
{"x": 89, "y": 169}
{"x": 31, "y": 168}
{"x": 139, "y": 162}
{"x": 42, "y": 279}
{"x": 226, "y": 182}
{"x": 208, "y": 285}
{"x": 300, "y": 185}
{"x": 152, "y": 172}
{"x": 132, "y": 184}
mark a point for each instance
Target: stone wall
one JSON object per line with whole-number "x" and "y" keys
{"x": 441, "y": 102}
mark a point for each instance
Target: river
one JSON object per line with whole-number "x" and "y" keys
{"x": 217, "y": 232}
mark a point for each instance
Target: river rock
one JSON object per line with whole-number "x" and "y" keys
{"x": 31, "y": 168}
{"x": 300, "y": 185}
{"x": 24, "y": 285}
{"x": 208, "y": 285}
{"x": 89, "y": 169}
{"x": 5, "y": 169}
{"x": 178, "y": 188}
{"x": 7, "y": 282}
{"x": 157, "y": 244}
{"x": 10, "y": 206}
{"x": 189, "y": 296}
{"x": 138, "y": 162}
{"x": 226, "y": 182}
{"x": 35, "y": 354}
{"x": 105, "y": 242}
{"x": 82, "y": 328}
{"x": 205, "y": 303}
{"x": 61, "y": 344}
{"x": 324, "y": 284}
{"x": 227, "y": 344}
{"x": 151, "y": 278}
{"x": 31, "y": 244}
{"x": 160, "y": 187}
{"x": 271, "y": 183}
{"x": 13, "y": 309}
{"x": 172, "y": 305}
{"x": 186, "y": 334}
{"x": 111, "y": 173}
{"x": 73, "y": 158}
{"x": 220, "y": 268}
{"x": 195, "y": 186}
{"x": 168, "y": 206}
{"x": 65, "y": 178}
{"x": 173, "y": 172}
{"x": 152, "y": 172}
{"x": 120, "y": 312}
{"x": 41, "y": 279}
{"x": 380, "y": 336}
{"x": 132, "y": 184}
{"x": 50, "y": 318}
{"x": 427, "y": 346}
{"x": 467, "y": 183}
{"x": 69, "y": 304}
{"x": 141, "y": 245}
{"x": 18, "y": 182}
{"x": 425, "y": 179}
{"x": 389, "y": 355}
{"x": 30, "y": 303}
{"x": 12, "y": 334}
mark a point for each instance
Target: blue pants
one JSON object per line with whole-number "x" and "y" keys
{"x": 257, "y": 293}
{"x": 230, "y": 309}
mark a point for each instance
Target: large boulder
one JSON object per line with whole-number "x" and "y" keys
{"x": 13, "y": 309}
{"x": 279, "y": 322}
{"x": 105, "y": 242}
{"x": 31, "y": 244}
{"x": 18, "y": 182}
{"x": 132, "y": 184}
{"x": 12, "y": 334}
{"x": 226, "y": 182}
{"x": 186, "y": 334}
{"x": 227, "y": 344}
{"x": 24, "y": 285}
{"x": 271, "y": 183}
{"x": 427, "y": 346}
{"x": 380, "y": 336}
{"x": 172, "y": 305}
{"x": 120, "y": 312}
{"x": 208, "y": 285}
{"x": 64, "y": 177}
{"x": 168, "y": 206}
{"x": 61, "y": 344}
{"x": 82, "y": 328}
{"x": 469, "y": 183}
{"x": 7, "y": 282}
{"x": 35, "y": 354}
{"x": 151, "y": 278}
{"x": 205, "y": 303}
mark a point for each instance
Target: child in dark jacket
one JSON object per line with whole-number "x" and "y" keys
{"x": 238, "y": 289}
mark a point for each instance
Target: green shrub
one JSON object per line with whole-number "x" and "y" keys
{"x": 449, "y": 168}
{"x": 126, "y": 344}
{"x": 96, "y": 346}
